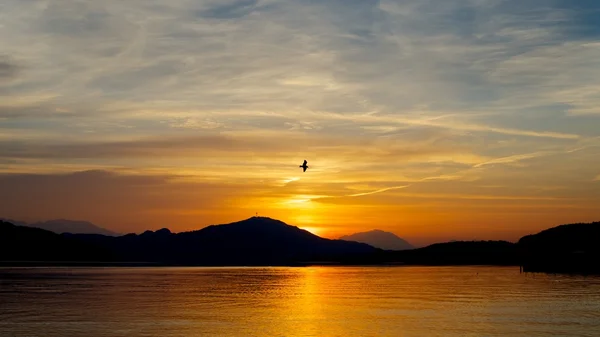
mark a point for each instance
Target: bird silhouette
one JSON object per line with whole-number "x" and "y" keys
{"x": 304, "y": 166}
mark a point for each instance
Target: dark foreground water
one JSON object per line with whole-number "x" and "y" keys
{"x": 313, "y": 301}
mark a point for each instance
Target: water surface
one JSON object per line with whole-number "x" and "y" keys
{"x": 311, "y": 301}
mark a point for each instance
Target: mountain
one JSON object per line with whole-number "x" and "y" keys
{"x": 263, "y": 241}
{"x": 461, "y": 253}
{"x": 20, "y": 243}
{"x": 380, "y": 239}
{"x": 14, "y": 222}
{"x": 60, "y": 226}
{"x": 254, "y": 241}
{"x": 573, "y": 248}
{"x": 564, "y": 239}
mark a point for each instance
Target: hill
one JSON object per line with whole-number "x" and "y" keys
{"x": 264, "y": 241}
{"x": 570, "y": 248}
{"x": 60, "y": 226}
{"x": 500, "y": 253}
{"x": 14, "y": 222}
{"x": 380, "y": 239}
{"x": 72, "y": 226}
{"x": 20, "y": 243}
{"x": 462, "y": 253}
{"x": 254, "y": 241}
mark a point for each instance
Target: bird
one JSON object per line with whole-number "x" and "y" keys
{"x": 304, "y": 166}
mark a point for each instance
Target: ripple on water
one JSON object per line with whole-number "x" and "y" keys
{"x": 312, "y": 301}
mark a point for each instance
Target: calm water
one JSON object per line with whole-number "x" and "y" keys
{"x": 315, "y": 301}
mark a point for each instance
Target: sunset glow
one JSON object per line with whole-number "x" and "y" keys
{"x": 415, "y": 118}
{"x": 314, "y": 230}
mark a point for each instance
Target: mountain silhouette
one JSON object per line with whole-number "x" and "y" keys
{"x": 461, "y": 253}
{"x": 254, "y": 241}
{"x": 72, "y": 226}
{"x": 380, "y": 239}
{"x": 60, "y": 226}
{"x": 261, "y": 241}
{"x": 20, "y": 243}
{"x": 14, "y": 222}
{"x": 565, "y": 248}
{"x": 565, "y": 239}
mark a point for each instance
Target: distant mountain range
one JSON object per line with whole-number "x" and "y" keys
{"x": 61, "y": 226}
{"x": 380, "y": 239}
{"x": 254, "y": 241}
{"x": 260, "y": 241}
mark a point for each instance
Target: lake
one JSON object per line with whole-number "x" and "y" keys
{"x": 304, "y": 301}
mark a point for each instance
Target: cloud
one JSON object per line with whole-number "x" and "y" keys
{"x": 377, "y": 191}
{"x": 308, "y": 57}
{"x": 562, "y": 73}
{"x": 276, "y": 145}
{"x": 219, "y": 61}
{"x": 229, "y": 10}
{"x": 433, "y": 122}
{"x": 512, "y": 159}
{"x": 8, "y": 69}
{"x": 191, "y": 123}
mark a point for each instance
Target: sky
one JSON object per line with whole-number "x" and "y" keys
{"x": 435, "y": 120}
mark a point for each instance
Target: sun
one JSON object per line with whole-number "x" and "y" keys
{"x": 314, "y": 230}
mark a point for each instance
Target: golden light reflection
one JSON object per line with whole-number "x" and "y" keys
{"x": 307, "y": 304}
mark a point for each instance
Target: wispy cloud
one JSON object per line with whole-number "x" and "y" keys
{"x": 513, "y": 159}
{"x": 435, "y": 122}
{"x": 377, "y": 191}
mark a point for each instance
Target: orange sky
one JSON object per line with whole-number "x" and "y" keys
{"x": 413, "y": 119}
{"x": 421, "y": 212}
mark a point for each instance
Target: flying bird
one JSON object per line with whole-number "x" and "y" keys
{"x": 304, "y": 166}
